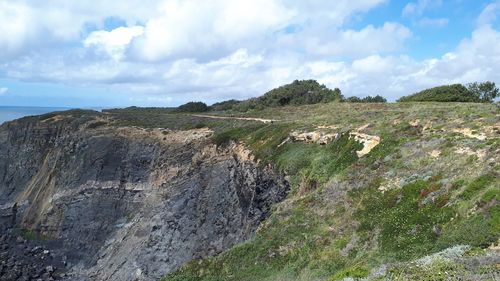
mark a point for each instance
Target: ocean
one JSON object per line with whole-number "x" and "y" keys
{"x": 9, "y": 113}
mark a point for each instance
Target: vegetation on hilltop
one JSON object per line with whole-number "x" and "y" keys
{"x": 367, "y": 99}
{"x": 299, "y": 92}
{"x": 193, "y": 107}
{"x": 474, "y": 92}
{"x": 447, "y": 93}
{"x": 306, "y": 92}
{"x": 224, "y": 105}
{"x": 484, "y": 92}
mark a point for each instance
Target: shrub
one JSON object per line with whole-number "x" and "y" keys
{"x": 367, "y": 99}
{"x": 376, "y": 98}
{"x": 352, "y": 99}
{"x": 484, "y": 92}
{"x": 299, "y": 92}
{"x": 193, "y": 107}
{"x": 224, "y": 105}
{"x": 447, "y": 93}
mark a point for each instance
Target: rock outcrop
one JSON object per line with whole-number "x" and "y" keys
{"x": 124, "y": 203}
{"x": 321, "y": 137}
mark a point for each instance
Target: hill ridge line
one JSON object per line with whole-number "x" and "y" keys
{"x": 236, "y": 118}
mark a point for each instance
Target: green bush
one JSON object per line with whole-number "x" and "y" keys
{"x": 367, "y": 99}
{"x": 300, "y": 92}
{"x": 376, "y": 98}
{"x": 484, "y": 92}
{"x": 353, "y": 99}
{"x": 193, "y": 107}
{"x": 224, "y": 105}
{"x": 447, "y": 93}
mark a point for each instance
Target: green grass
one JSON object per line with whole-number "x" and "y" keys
{"x": 493, "y": 193}
{"x": 28, "y": 234}
{"x": 313, "y": 164}
{"x": 477, "y": 185}
{"x": 353, "y": 272}
{"x": 476, "y": 231}
{"x": 405, "y": 223}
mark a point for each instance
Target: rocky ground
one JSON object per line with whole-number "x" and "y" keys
{"x": 24, "y": 260}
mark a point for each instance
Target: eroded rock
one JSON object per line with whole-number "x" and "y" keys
{"x": 127, "y": 203}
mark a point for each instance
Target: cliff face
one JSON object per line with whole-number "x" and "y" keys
{"x": 127, "y": 203}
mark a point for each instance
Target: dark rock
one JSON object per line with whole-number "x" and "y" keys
{"x": 49, "y": 269}
{"x": 121, "y": 203}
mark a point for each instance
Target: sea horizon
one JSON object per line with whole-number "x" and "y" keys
{"x": 13, "y": 112}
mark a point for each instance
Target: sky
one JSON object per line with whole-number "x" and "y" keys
{"x": 112, "y": 53}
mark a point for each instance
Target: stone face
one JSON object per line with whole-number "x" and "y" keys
{"x": 324, "y": 135}
{"x": 369, "y": 142}
{"x": 127, "y": 203}
{"x": 318, "y": 137}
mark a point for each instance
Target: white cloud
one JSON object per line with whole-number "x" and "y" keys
{"x": 427, "y": 22}
{"x": 196, "y": 28}
{"x": 419, "y": 7}
{"x": 369, "y": 40}
{"x": 4, "y": 91}
{"x": 171, "y": 51}
{"x": 115, "y": 42}
{"x": 26, "y": 26}
{"x": 155, "y": 101}
{"x": 173, "y": 28}
{"x": 243, "y": 73}
{"x": 473, "y": 60}
{"x": 489, "y": 14}
{"x": 391, "y": 76}
{"x": 15, "y": 27}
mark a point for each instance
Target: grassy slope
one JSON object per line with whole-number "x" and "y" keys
{"x": 337, "y": 223}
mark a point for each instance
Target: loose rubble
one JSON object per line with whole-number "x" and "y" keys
{"x": 23, "y": 260}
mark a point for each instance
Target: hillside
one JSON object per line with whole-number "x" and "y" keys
{"x": 430, "y": 186}
{"x": 403, "y": 191}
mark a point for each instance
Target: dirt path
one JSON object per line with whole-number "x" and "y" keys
{"x": 237, "y": 118}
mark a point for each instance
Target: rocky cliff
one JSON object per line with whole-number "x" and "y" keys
{"x": 123, "y": 203}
